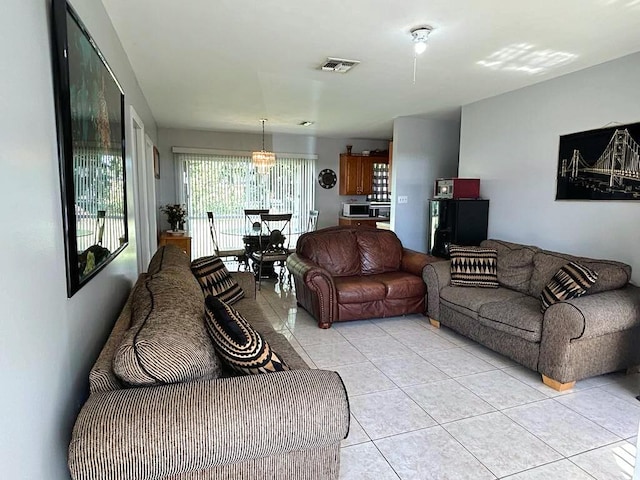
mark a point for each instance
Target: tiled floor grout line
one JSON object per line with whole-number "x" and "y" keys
{"x": 280, "y": 313}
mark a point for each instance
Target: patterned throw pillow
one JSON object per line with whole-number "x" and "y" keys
{"x": 474, "y": 267}
{"x": 215, "y": 279}
{"x": 237, "y": 343}
{"x": 571, "y": 281}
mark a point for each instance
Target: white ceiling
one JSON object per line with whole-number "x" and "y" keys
{"x": 224, "y": 64}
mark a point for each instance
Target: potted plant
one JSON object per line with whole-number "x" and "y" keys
{"x": 176, "y": 216}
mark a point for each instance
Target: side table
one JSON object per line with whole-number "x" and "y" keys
{"x": 182, "y": 241}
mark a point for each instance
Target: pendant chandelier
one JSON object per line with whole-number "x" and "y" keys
{"x": 263, "y": 160}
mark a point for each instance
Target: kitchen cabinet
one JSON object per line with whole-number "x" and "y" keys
{"x": 356, "y": 174}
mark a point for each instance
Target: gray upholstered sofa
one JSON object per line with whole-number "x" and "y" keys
{"x": 574, "y": 339}
{"x": 218, "y": 426}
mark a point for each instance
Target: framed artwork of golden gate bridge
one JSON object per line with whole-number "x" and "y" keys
{"x": 601, "y": 164}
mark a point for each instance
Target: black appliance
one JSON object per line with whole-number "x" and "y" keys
{"x": 458, "y": 222}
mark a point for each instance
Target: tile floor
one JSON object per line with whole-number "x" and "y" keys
{"x": 427, "y": 403}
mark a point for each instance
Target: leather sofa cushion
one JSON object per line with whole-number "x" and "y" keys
{"x": 359, "y": 289}
{"x": 380, "y": 251}
{"x": 335, "y": 251}
{"x": 611, "y": 275}
{"x": 520, "y": 317}
{"x": 468, "y": 300}
{"x": 402, "y": 285}
{"x": 515, "y": 263}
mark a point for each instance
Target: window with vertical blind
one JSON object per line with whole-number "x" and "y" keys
{"x": 227, "y": 183}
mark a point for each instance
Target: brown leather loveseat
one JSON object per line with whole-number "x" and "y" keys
{"x": 348, "y": 273}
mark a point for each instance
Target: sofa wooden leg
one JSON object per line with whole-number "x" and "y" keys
{"x": 556, "y": 385}
{"x": 435, "y": 323}
{"x": 324, "y": 325}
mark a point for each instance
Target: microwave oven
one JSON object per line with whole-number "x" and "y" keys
{"x": 355, "y": 209}
{"x": 457, "y": 188}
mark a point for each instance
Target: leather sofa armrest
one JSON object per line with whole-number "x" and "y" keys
{"x": 315, "y": 289}
{"x": 157, "y": 432}
{"x": 586, "y": 318}
{"x": 436, "y": 275}
{"x": 414, "y": 262}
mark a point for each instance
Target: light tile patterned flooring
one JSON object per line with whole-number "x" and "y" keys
{"x": 427, "y": 403}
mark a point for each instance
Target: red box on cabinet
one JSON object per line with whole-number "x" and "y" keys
{"x": 457, "y": 188}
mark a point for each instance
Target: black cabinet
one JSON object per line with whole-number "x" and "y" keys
{"x": 459, "y": 222}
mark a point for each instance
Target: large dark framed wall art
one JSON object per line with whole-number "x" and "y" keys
{"x": 601, "y": 164}
{"x": 90, "y": 124}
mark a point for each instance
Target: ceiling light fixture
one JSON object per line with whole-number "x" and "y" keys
{"x": 306, "y": 123}
{"x": 263, "y": 160}
{"x": 420, "y": 36}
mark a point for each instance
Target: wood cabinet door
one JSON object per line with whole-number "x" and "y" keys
{"x": 366, "y": 175}
{"x": 350, "y": 183}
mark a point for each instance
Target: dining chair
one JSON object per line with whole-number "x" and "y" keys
{"x": 100, "y": 219}
{"x": 252, "y": 219}
{"x": 312, "y": 225}
{"x": 238, "y": 255}
{"x": 275, "y": 230}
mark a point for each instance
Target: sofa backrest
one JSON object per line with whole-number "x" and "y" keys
{"x": 380, "y": 251}
{"x": 346, "y": 251}
{"x": 334, "y": 249}
{"x": 169, "y": 256}
{"x": 515, "y": 263}
{"x": 611, "y": 274}
{"x": 528, "y": 269}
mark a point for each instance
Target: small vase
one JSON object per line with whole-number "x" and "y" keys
{"x": 181, "y": 226}
{"x": 174, "y": 226}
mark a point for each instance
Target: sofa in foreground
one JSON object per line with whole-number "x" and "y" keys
{"x": 349, "y": 273}
{"x": 162, "y": 406}
{"x": 573, "y": 339}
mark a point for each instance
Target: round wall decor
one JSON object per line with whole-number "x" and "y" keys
{"x": 327, "y": 178}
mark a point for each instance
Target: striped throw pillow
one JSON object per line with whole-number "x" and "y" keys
{"x": 237, "y": 343}
{"x": 571, "y": 281}
{"x": 474, "y": 267}
{"x": 215, "y": 279}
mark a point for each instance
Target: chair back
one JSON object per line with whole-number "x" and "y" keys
{"x": 214, "y": 233}
{"x": 312, "y": 223}
{"x": 275, "y": 232}
{"x": 252, "y": 219}
{"x": 100, "y": 219}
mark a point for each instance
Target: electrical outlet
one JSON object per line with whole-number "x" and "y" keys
{"x": 403, "y": 199}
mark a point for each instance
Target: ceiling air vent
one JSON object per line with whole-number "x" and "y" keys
{"x": 339, "y": 65}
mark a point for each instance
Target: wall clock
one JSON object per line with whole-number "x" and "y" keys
{"x": 327, "y": 178}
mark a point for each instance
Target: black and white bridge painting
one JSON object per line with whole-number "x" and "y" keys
{"x": 600, "y": 164}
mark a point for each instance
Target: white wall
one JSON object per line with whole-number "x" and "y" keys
{"x": 423, "y": 150}
{"x": 511, "y": 143}
{"x": 327, "y": 149}
{"x": 47, "y": 342}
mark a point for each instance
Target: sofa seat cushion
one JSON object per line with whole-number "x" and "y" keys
{"x": 468, "y": 300}
{"x": 402, "y": 285}
{"x": 520, "y": 317}
{"x": 359, "y": 289}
